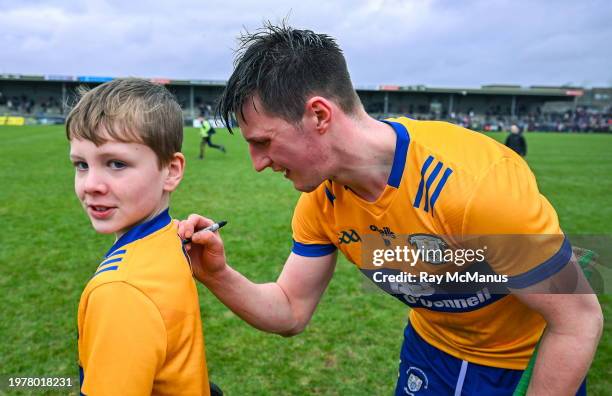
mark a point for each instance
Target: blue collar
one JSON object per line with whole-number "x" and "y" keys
{"x": 401, "y": 151}
{"x": 142, "y": 230}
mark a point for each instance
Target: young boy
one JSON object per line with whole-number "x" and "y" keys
{"x": 139, "y": 325}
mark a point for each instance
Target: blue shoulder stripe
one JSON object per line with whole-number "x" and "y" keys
{"x": 425, "y": 185}
{"x": 116, "y": 252}
{"x": 436, "y": 193}
{"x": 312, "y": 250}
{"x": 544, "y": 270}
{"x": 417, "y": 199}
{"x": 112, "y": 268}
{"x": 430, "y": 180}
{"x": 115, "y": 260}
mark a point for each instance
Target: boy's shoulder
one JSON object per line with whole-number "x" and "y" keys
{"x": 152, "y": 263}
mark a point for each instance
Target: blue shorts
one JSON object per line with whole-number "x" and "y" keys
{"x": 425, "y": 370}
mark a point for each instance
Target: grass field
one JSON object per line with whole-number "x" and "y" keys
{"x": 351, "y": 347}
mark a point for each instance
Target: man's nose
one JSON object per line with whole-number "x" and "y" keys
{"x": 260, "y": 160}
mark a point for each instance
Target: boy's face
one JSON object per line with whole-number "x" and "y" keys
{"x": 119, "y": 184}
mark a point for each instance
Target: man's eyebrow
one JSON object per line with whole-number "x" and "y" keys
{"x": 257, "y": 139}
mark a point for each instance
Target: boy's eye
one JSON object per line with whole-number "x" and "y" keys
{"x": 116, "y": 164}
{"x": 80, "y": 165}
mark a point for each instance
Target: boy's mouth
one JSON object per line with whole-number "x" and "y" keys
{"x": 99, "y": 212}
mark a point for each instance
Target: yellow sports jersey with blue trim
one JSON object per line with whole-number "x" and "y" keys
{"x": 139, "y": 325}
{"x": 447, "y": 183}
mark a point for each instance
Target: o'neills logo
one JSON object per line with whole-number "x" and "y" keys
{"x": 448, "y": 303}
{"x": 385, "y": 233}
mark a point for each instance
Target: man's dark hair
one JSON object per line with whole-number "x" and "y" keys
{"x": 283, "y": 67}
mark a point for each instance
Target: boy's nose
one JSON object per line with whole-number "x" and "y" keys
{"x": 94, "y": 183}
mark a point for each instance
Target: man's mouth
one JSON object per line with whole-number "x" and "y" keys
{"x": 284, "y": 171}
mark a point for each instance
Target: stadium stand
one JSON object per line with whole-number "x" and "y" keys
{"x": 47, "y": 99}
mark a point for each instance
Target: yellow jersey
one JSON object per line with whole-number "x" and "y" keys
{"x": 139, "y": 325}
{"x": 449, "y": 186}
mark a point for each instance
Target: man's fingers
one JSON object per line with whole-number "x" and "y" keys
{"x": 184, "y": 228}
{"x": 199, "y": 222}
{"x": 203, "y": 237}
{"x": 193, "y": 223}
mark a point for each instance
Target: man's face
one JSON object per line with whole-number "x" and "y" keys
{"x": 119, "y": 184}
{"x": 285, "y": 147}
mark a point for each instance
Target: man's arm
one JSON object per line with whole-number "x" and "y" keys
{"x": 521, "y": 229}
{"x": 283, "y": 307}
{"x": 574, "y": 324}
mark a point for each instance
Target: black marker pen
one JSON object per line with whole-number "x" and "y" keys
{"x": 211, "y": 228}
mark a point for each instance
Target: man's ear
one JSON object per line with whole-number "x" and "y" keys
{"x": 175, "y": 169}
{"x": 319, "y": 111}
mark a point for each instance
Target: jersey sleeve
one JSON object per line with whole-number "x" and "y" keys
{"x": 309, "y": 237}
{"x": 515, "y": 225}
{"x": 123, "y": 341}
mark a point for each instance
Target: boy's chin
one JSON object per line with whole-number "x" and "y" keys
{"x": 106, "y": 227}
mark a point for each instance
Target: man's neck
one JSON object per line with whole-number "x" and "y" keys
{"x": 365, "y": 156}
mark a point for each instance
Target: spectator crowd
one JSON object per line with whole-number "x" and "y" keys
{"x": 580, "y": 119}
{"x": 24, "y": 105}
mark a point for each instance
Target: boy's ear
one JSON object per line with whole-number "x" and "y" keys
{"x": 176, "y": 169}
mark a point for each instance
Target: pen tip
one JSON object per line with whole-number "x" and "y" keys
{"x": 222, "y": 223}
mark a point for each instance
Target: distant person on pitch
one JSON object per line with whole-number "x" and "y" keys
{"x": 516, "y": 141}
{"x": 206, "y": 132}
{"x": 139, "y": 323}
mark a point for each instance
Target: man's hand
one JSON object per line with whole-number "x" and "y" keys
{"x": 206, "y": 249}
{"x": 283, "y": 307}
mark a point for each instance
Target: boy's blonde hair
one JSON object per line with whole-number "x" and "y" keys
{"x": 129, "y": 110}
